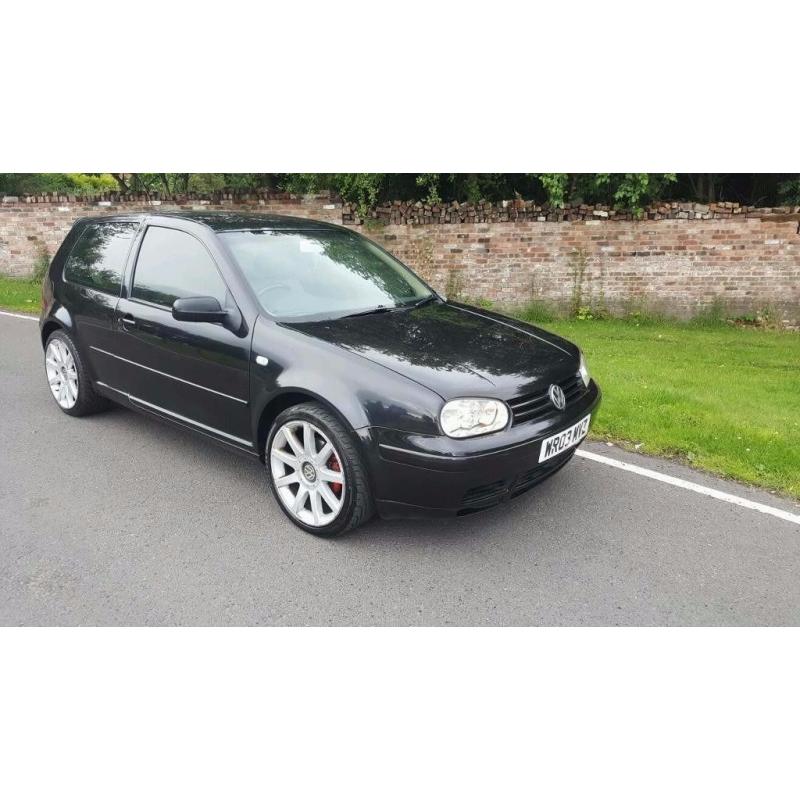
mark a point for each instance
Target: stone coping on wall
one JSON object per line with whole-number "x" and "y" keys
{"x": 418, "y": 213}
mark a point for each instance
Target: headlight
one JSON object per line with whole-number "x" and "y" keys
{"x": 472, "y": 416}
{"x": 584, "y": 371}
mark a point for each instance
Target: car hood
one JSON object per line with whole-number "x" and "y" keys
{"x": 453, "y": 349}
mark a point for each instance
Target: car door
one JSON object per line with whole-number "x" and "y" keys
{"x": 90, "y": 288}
{"x": 196, "y": 373}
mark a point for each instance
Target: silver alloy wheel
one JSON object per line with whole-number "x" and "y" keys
{"x": 62, "y": 373}
{"x": 307, "y": 472}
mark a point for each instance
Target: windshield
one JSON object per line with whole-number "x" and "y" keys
{"x": 321, "y": 274}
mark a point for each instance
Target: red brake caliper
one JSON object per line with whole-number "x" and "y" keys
{"x": 333, "y": 464}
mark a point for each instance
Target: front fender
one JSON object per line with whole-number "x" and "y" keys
{"x": 363, "y": 393}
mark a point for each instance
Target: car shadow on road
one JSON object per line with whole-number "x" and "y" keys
{"x": 492, "y": 523}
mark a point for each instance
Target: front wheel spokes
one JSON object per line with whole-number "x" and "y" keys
{"x": 286, "y": 458}
{"x": 309, "y": 446}
{"x": 324, "y": 454}
{"x": 300, "y": 500}
{"x": 292, "y": 441}
{"x": 334, "y": 503}
{"x": 331, "y": 475}
{"x": 302, "y": 461}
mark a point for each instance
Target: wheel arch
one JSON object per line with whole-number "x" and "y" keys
{"x": 286, "y": 399}
{"x": 59, "y": 319}
{"x": 48, "y": 328}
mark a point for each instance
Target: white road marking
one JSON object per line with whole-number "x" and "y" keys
{"x": 18, "y": 316}
{"x": 692, "y": 487}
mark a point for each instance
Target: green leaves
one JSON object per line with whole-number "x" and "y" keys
{"x": 633, "y": 189}
{"x": 77, "y": 183}
{"x": 430, "y": 182}
{"x": 362, "y": 189}
{"x": 555, "y": 184}
{"x": 789, "y": 191}
{"x": 627, "y": 191}
{"x": 359, "y": 188}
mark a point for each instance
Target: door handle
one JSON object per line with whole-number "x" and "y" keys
{"x": 128, "y": 321}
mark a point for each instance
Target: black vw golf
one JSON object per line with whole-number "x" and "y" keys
{"x": 308, "y": 346}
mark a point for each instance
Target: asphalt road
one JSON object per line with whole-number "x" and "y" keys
{"x": 119, "y": 519}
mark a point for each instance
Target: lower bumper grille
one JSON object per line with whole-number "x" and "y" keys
{"x": 492, "y": 494}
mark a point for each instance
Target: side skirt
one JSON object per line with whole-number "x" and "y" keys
{"x": 136, "y": 404}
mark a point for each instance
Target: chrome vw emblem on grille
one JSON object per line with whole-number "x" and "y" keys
{"x": 557, "y": 396}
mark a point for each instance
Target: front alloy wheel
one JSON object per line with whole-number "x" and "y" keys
{"x": 316, "y": 472}
{"x": 307, "y": 473}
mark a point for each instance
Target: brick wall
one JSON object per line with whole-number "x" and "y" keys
{"x": 675, "y": 266}
{"x": 679, "y": 258}
{"x": 31, "y": 225}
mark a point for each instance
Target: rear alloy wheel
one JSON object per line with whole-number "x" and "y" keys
{"x": 62, "y": 374}
{"x": 315, "y": 471}
{"x": 69, "y": 381}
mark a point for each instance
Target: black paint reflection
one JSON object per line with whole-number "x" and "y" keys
{"x": 441, "y": 339}
{"x": 98, "y": 258}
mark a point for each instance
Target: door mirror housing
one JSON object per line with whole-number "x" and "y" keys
{"x": 198, "y": 309}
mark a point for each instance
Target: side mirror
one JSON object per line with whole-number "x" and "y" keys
{"x": 198, "y": 309}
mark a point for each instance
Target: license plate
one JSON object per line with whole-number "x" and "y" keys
{"x": 553, "y": 445}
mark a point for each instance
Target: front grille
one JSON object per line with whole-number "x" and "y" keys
{"x": 531, "y": 407}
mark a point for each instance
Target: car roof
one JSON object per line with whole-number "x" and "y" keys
{"x": 228, "y": 221}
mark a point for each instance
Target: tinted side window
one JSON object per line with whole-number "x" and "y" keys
{"x": 98, "y": 258}
{"x": 173, "y": 264}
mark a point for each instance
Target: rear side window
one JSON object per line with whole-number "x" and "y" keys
{"x": 173, "y": 264}
{"x": 98, "y": 258}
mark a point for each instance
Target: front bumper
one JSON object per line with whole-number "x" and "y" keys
{"x": 415, "y": 475}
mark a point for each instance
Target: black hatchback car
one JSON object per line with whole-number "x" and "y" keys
{"x": 308, "y": 346}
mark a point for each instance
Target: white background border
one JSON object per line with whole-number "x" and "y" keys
{"x": 399, "y": 713}
{"x": 406, "y": 713}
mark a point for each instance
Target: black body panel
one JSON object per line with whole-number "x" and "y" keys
{"x": 453, "y": 349}
{"x": 193, "y": 369}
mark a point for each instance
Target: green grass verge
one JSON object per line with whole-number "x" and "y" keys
{"x": 723, "y": 398}
{"x": 20, "y": 294}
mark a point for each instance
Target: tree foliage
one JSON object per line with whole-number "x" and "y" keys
{"x": 77, "y": 183}
{"x": 624, "y": 190}
{"x": 555, "y": 184}
{"x": 630, "y": 191}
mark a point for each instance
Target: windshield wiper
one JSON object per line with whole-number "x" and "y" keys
{"x": 425, "y": 300}
{"x": 387, "y": 309}
{"x": 377, "y": 310}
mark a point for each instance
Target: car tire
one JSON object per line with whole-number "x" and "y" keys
{"x": 60, "y": 351}
{"x": 356, "y": 507}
